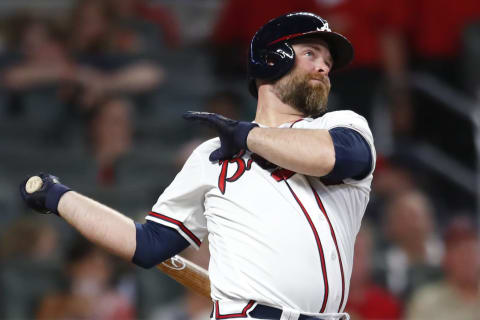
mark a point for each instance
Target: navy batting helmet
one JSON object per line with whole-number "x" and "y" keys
{"x": 271, "y": 55}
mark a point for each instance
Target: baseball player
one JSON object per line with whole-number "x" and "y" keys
{"x": 281, "y": 199}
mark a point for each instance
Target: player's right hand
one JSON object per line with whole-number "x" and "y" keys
{"x": 232, "y": 133}
{"x": 42, "y": 192}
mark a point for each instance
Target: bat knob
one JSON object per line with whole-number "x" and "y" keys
{"x": 33, "y": 184}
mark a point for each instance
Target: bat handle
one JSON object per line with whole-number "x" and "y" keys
{"x": 33, "y": 184}
{"x": 188, "y": 274}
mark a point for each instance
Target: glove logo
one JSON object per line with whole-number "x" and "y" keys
{"x": 241, "y": 168}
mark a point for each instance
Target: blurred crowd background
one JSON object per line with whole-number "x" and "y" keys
{"x": 93, "y": 91}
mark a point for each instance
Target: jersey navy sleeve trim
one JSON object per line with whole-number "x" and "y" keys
{"x": 353, "y": 156}
{"x": 182, "y": 228}
{"x": 156, "y": 243}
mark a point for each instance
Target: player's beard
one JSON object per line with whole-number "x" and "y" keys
{"x": 297, "y": 90}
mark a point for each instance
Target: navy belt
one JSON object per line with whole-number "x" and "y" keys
{"x": 266, "y": 312}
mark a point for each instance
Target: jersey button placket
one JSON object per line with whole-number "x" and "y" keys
{"x": 333, "y": 256}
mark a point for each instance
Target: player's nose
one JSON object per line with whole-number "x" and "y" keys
{"x": 322, "y": 68}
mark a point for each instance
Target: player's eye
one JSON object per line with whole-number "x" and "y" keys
{"x": 309, "y": 53}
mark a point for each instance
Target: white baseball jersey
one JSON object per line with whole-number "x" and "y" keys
{"x": 276, "y": 237}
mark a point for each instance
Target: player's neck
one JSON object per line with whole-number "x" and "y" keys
{"x": 271, "y": 111}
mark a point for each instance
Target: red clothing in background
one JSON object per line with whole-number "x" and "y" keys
{"x": 164, "y": 19}
{"x": 239, "y": 19}
{"x": 376, "y": 303}
{"x": 363, "y": 22}
{"x": 436, "y": 25}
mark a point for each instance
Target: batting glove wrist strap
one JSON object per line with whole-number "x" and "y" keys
{"x": 241, "y": 134}
{"x": 54, "y": 194}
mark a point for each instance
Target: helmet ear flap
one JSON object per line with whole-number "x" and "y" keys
{"x": 273, "y": 62}
{"x": 269, "y": 64}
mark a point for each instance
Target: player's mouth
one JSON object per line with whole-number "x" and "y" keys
{"x": 324, "y": 81}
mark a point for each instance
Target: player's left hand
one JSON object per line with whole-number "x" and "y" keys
{"x": 42, "y": 192}
{"x": 233, "y": 134}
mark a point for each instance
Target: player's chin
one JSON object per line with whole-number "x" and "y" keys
{"x": 320, "y": 85}
{"x": 316, "y": 102}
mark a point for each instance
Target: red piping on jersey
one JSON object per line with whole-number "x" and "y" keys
{"x": 249, "y": 163}
{"x": 322, "y": 208}
{"x": 291, "y": 126}
{"x": 319, "y": 246}
{"x": 282, "y": 174}
{"x": 180, "y": 225}
{"x": 243, "y": 314}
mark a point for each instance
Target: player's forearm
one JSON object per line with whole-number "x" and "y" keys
{"x": 22, "y": 77}
{"x": 136, "y": 78}
{"x": 305, "y": 151}
{"x": 99, "y": 224}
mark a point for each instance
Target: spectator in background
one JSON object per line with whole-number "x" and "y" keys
{"x": 89, "y": 27}
{"x": 88, "y": 68}
{"x": 457, "y": 296}
{"x": 111, "y": 136}
{"x": 153, "y": 22}
{"x": 90, "y": 71}
{"x": 414, "y": 254}
{"x": 107, "y": 66}
{"x": 30, "y": 259}
{"x": 393, "y": 176}
{"x": 132, "y": 80}
{"x": 132, "y": 34}
{"x": 90, "y": 294}
{"x": 237, "y": 22}
{"x": 367, "y": 300}
{"x": 39, "y": 67}
{"x": 42, "y": 58}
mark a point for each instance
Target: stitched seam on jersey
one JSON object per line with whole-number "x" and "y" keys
{"x": 243, "y": 314}
{"x": 319, "y": 246}
{"x": 332, "y": 231}
{"x": 187, "y": 231}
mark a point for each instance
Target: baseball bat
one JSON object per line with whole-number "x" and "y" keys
{"x": 178, "y": 268}
{"x": 187, "y": 273}
{"x": 33, "y": 184}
